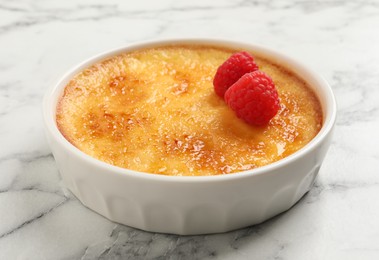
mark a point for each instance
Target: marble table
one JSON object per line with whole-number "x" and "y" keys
{"x": 40, "y": 40}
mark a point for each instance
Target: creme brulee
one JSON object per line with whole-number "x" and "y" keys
{"x": 155, "y": 111}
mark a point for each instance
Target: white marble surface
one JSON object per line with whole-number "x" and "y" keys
{"x": 40, "y": 40}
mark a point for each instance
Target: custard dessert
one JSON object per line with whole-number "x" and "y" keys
{"x": 154, "y": 110}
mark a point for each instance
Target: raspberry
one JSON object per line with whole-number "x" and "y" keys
{"x": 231, "y": 70}
{"x": 254, "y": 98}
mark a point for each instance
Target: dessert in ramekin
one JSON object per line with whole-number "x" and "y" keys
{"x": 151, "y": 194}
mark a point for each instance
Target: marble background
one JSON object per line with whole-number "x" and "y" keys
{"x": 40, "y": 40}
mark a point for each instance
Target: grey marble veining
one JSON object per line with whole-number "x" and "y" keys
{"x": 40, "y": 40}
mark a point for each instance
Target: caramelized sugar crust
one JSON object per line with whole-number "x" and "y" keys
{"x": 155, "y": 111}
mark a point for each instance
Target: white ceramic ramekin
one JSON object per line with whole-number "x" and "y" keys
{"x": 191, "y": 205}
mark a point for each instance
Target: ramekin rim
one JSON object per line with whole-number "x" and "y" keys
{"x": 50, "y": 125}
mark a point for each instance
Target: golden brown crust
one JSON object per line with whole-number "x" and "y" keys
{"x": 155, "y": 111}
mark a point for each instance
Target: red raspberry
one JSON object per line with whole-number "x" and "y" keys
{"x": 254, "y": 98}
{"x": 231, "y": 70}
